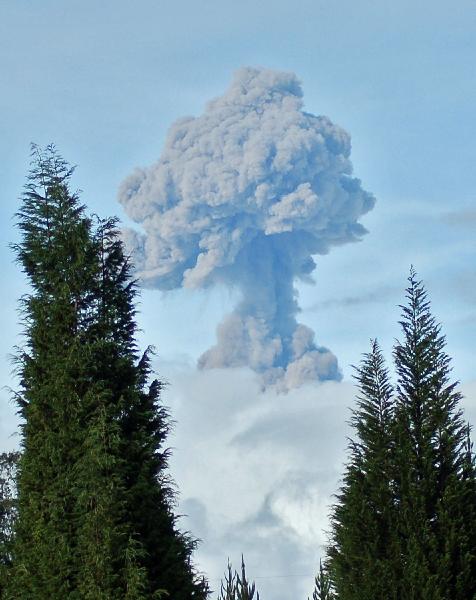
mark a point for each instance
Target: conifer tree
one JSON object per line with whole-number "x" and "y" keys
{"x": 431, "y": 452}
{"x": 96, "y": 514}
{"x": 363, "y": 545}
{"x": 228, "y": 585}
{"x": 236, "y": 585}
{"x": 404, "y": 523}
{"x": 244, "y": 589}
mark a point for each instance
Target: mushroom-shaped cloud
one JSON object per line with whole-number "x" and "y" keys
{"x": 246, "y": 195}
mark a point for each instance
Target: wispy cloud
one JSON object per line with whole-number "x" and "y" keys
{"x": 381, "y": 294}
{"x": 462, "y": 218}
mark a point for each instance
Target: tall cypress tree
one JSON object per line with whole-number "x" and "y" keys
{"x": 56, "y": 253}
{"x": 96, "y": 513}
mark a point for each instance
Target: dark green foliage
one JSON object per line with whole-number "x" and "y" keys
{"x": 8, "y": 512}
{"x": 431, "y": 437}
{"x": 56, "y": 254}
{"x": 95, "y": 503}
{"x": 236, "y": 585}
{"x": 363, "y": 520}
{"x": 404, "y": 523}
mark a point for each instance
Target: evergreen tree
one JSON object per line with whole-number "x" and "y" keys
{"x": 228, "y": 586}
{"x": 244, "y": 589}
{"x": 434, "y": 491}
{"x": 404, "y": 525}
{"x": 363, "y": 546}
{"x": 57, "y": 255}
{"x": 236, "y": 585}
{"x": 96, "y": 514}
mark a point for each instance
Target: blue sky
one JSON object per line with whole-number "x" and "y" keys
{"x": 104, "y": 81}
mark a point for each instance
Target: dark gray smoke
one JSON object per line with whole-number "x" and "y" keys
{"x": 245, "y": 195}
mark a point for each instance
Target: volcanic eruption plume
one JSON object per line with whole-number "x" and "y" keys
{"x": 246, "y": 195}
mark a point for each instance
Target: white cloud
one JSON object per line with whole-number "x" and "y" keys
{"x": 256, "y": 472}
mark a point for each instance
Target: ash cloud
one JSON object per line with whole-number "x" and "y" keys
{"x": 246, "y": 195}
